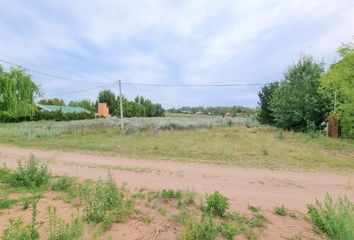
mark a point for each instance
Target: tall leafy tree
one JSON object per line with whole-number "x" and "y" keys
{"x": 17, "y": 94}
{"x": 265, "y": 114}
{"x": 52, "y": 101}
{"x": 297, "y": 103}
{"x": 84, "y": 103}
{"x": 338, "y": 84}
{"x": 107, "y": 96}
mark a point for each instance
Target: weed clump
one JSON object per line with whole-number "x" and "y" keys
{"x": 29, "y": 174}
{"x": 18, "y": 230}
{"x": 59, "y": 230}
{"x": 5, "y": 201}
{"x": 63, "y": 183}
{"x": 206, "y": 229}
{"x": 107, "y": 203}
{"x": 336, "y": 219}
{"x": 217, "y": 204}
{"x": 281, "y": 211}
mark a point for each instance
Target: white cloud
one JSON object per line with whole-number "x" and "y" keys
{"x": 189, "y": 41}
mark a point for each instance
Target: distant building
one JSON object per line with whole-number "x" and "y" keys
{"x": 64, "y": 109}
{"x": 103, "y": 110}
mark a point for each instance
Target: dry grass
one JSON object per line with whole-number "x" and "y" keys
{"x": 260, "y": 147}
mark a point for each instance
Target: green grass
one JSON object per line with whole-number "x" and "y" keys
{"x": 259, "y": 147}
{"x": 334, "y": 218}
{"x": 281, "y": 211}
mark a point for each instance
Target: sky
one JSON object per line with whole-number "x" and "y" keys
{"x": 95, "y": 43}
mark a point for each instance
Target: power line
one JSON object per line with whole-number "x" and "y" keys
{"x": 42, "y": 73}
{"x": 81, "y": 90}
{"x": 195, "y": 85}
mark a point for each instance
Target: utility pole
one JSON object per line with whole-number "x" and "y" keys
{"x": 121, "y": 105}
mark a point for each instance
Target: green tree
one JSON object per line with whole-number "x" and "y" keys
{"x": 84, "y": 103}
{"x": 107, "y": 96}
{"x": 338, "y": 84}
{"x": 265, "y": 114}
{"x": 297, "y": 104}
{"x": 52, "y": 101}
{"x": 17, "y": 94}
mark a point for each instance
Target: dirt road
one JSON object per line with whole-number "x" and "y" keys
{"x": 259, "y": 187}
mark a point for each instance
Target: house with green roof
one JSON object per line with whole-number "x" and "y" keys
{"x": 64, "y": 109}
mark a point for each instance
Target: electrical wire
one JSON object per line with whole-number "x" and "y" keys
{"x": 42, "y": 73}
{"x": 81, "y": 90}
{"x": 194, "y": 85}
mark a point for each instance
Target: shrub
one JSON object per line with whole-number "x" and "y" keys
{"x": 336, "y": 219}
{"x": 59, "y": 230}
{"x": 206, "y": 229}
{"x": 106, "y": 203}
{"x": 217, "y": 204}
{"x": 30, "y": 174}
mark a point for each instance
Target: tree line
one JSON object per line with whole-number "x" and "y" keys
{"x": 18, "y": 93}
{"x": 218, "y": 110}
{"x": 139, "y": 107}
{"x": 308, "y": 94}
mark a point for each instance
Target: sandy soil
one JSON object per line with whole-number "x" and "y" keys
{"x": 263, "y": 188}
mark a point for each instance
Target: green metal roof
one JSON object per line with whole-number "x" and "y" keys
{"x": 64, "y": 109}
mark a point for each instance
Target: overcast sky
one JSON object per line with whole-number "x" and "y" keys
{"x": 170, "y": 42}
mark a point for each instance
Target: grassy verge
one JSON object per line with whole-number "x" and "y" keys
{"x": 260, "y": 147}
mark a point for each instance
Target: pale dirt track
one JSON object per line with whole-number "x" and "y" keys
{"x": 259, "y": 187}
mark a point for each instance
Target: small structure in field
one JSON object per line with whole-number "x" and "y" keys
{"x": 63, "y": 109}
{"x": 333, "y": 127}
{"x": 102, "y": 110}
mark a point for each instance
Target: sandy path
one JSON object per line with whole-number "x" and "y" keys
{"x": 265, "y": 188}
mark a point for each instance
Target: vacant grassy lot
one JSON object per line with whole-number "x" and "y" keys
{"x": 240, "y": 143}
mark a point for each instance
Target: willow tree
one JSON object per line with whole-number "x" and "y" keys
{"x": 17, "y": 94}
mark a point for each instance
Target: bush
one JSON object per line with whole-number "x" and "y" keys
{"x": 206, "y": 229}
{"x": 336, "y": 219}
{"x": 217, "y": 204}
{"x": 106, "y": 203}
{"x": 59, "y": 230}
{"x": 60, "y": 116}
{"x": 30, "y": 174}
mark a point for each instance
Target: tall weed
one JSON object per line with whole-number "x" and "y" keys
{"x": 335, "y": 218}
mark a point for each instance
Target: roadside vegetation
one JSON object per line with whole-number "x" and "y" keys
{"x": 235, "y": 141}
{"x": 334, "y": 218}
{"x": 97, "y": 206}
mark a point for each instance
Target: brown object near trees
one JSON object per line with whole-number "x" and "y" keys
{"x": 333, "y": 127}
{"x": 103, "y": 110}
